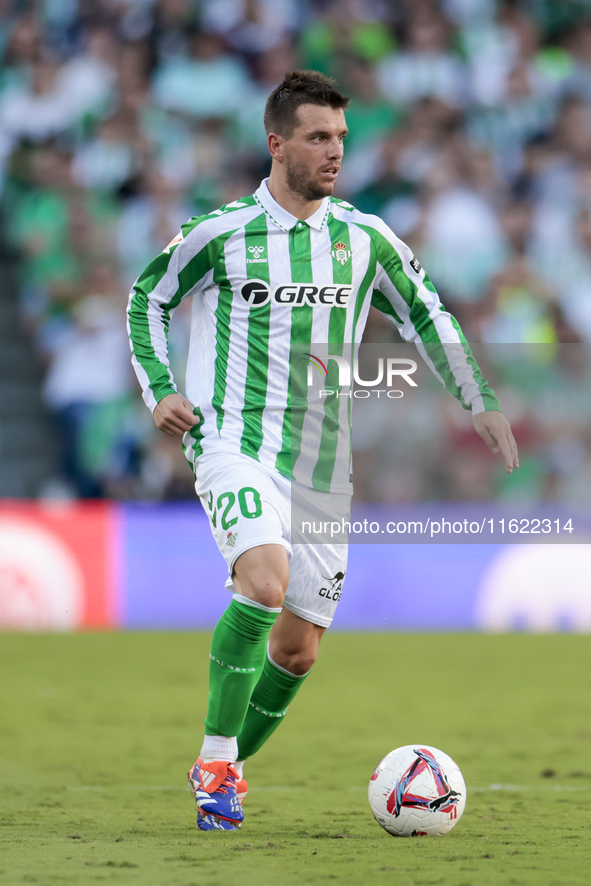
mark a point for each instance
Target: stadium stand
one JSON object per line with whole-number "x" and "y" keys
{"x": 470, "y": 134}
{"x": 27, "y": 444}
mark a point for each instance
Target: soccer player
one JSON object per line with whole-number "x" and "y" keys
{"x": 286, "y": 265}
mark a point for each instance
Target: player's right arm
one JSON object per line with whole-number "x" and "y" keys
{"x": 174, "y": 415}
{"x": 152, "y": 300}
{"x": 183, "y": 268}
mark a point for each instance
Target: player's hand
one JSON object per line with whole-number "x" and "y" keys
{"x": 174, "y": 415}
{"x": 495, "y": 430}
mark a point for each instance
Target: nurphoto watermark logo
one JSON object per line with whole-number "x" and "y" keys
{"x": 389, "y": 371}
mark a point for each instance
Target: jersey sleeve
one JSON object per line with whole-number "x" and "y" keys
{"x": 404, "y": 292}
{"x": 183, "y": 268}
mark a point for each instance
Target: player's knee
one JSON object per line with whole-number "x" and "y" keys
{"x": 266, "y": 587}
{"x": 268, "y": 590}
{"x": 298, "y": 663}
{"x": 262, "y": 574}
{"x": 302, "y": 664}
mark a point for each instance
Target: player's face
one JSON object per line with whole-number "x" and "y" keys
{"x": 314, "y": 152}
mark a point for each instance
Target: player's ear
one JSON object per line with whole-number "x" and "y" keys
{"x": 276, "y": 143}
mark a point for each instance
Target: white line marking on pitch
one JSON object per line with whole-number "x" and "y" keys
{"x": 169, "y": 787}
{"x": 289, "y": 789}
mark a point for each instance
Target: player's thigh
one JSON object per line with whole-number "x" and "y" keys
{"x": 244, "y": 507}
{"x": 317, "y": 575}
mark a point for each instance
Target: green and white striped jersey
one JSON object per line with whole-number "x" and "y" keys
{"x": 263, "y": 283}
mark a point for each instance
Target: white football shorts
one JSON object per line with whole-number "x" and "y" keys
{"x": 249, "y": 505}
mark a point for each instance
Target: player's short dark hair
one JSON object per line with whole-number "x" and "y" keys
{"x": 300, "y": 88}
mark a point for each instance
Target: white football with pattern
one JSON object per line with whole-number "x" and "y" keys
{"x": 416, "y": 791}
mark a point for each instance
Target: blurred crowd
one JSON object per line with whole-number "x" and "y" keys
{"x": 470, "y": 134}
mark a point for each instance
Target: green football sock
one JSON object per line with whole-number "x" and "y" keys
{"x": 236, "y": 661}
{"x": 273, "y": 693}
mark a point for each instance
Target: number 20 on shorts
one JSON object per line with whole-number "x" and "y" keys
{"x": 249, "y": 502}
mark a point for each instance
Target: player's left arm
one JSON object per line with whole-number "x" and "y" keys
{"x": 496, "y": 432}
{"x": 405, "y": 293}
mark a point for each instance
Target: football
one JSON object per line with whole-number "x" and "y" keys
{"x": 417, "y": 791}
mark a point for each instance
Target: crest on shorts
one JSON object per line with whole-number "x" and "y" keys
{"x": 231, "y": 538}
{"x": 340, "y": 252}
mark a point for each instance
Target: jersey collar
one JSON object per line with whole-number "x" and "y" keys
{"x": 284, "y": 219}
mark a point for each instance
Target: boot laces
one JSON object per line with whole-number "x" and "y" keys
{"x": 229, "y": 781}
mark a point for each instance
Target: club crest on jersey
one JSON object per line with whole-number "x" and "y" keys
{"x": 256, "y": 252}
{"x": 340, "y": 252}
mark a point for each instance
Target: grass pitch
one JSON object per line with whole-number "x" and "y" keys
{"x": 97, "y": 732}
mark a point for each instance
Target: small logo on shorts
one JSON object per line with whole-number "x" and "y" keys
{"x": 231, "y": 538}
{"x": 335, "y": 586}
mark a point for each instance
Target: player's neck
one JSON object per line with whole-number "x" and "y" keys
{"x": 293, "y": 203}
